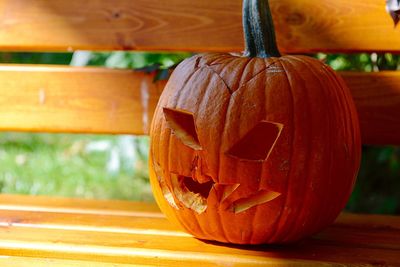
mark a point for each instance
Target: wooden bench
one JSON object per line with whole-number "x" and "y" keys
{"x": 41, "y": 231}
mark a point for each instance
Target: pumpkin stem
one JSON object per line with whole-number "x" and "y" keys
{"x": 259, "y": 32}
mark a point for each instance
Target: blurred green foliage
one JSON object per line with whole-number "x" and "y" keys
{"x": 378, "y": 182}
{"x": 90, "y": 166}
{"x": 36, "y": 58}
{"x": 136, "y": 60}
{"x": 99, "y": 166}
{"x": 361, "y": 62}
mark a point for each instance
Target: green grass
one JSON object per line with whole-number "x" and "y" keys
{"x": 90, "y": 166}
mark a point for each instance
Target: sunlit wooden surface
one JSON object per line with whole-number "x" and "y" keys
{"x": 86, "y": 100}
{"x": 303, "y": 26}
{"x": 377, "y": 98}
{"x": 99, "y": 100}
{"x": 35, "y": 231}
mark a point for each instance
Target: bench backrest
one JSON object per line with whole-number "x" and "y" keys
{"x": 99, "y": 100}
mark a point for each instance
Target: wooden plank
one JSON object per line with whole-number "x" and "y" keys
{"x": 303, "y": 26}
{"x": 77, "y": 206}
{"x": 171, "y": 250}
{"x": 41, "y": 262}
{"x": 98, "y": 100}
{"x": 385, "y": 235}
{"x": 64, "y": 99}
{"x": 132, "y": 239}
{"x": 377, "y": 96}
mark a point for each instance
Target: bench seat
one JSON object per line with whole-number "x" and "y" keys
{"x": 43, "y": 231}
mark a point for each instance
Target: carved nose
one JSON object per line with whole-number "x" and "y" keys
{"x": 193, "y": 195}
{"x": 197, "y": 170}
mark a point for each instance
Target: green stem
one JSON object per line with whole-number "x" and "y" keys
{"x": 259, "y": 32}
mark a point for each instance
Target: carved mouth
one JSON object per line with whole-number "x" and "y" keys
{"x": 190, "y": 193}
{"x": 193, "y": 194}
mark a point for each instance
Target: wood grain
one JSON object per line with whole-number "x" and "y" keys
{"x": 78, "y": 206}
{"x": 56, "y": 236}
{"x": 63, "y": 99}
{"x": 16, "y": 261}
{"x": 98, "y": 100}
{"x": 303, "y": 26}
{"x": 377, "y": 97}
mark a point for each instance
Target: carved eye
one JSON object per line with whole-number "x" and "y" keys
{"x": 183, "y": 126}
{"x": 258, "y": 143}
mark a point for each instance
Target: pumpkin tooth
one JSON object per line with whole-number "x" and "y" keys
{"x": 197, "y": 171}
{"x": 191, "y": 194}
{"x": 261, "y": 197}
{"x": 228, "y": 190}
{"x": 164, "y": 188}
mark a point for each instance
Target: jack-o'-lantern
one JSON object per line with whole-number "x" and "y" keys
{"x": 260, "y": 148}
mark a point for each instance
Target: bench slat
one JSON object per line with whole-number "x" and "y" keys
{"x": 40, "y": 262}
{"x": 152, "y": 227}
{"x": 64, "y": 99}
{"x": 77, "y": 206}
{"x": 303, "y": 26}
{"x": 353, "y": 239}
{"x": 377, "y": 97}
{"x": 99, "y": 100}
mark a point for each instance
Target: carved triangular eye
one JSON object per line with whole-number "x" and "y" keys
{"x": 258, "y": 143}
{"x": 183, "y": 126}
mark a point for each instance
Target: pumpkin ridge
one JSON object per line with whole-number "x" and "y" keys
{"x": 186, "y": 219}
{"x": 209, "y": 214}
{"x": 338, "y": 80}
{"x": 198, "y": 218}
{"x": 175, "y": 98}
{"x": 180, "y": 218}
{"x": 173, "y": 102}
{"x": 329, "y": 181}
{"x": 257, "y": 208}
{"x": 213, "y": 59}
{"x": 257, "y": 214}
{"x": 326, "y": 207}
{"x": 294, "y": 221}
{"x": 354, "y": 138}
{"x": 203, "y": 104}
{"x": 233, "y": 89}
{"x": 343, "y": 105}
{"x": 220, "y": 153}
{"x": 300, "y": 219}
{"x": 256, "y": 75}
{"x": 230, "y": 61}
{"x": 292, "y": 134}
{"x": 248, "y": 63}
{"x": 219, "y": 76}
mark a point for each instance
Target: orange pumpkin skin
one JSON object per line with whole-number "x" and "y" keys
{"x": 277, "y": 143}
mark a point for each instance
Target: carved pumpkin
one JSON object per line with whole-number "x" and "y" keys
{"x": 254, "y": 149}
